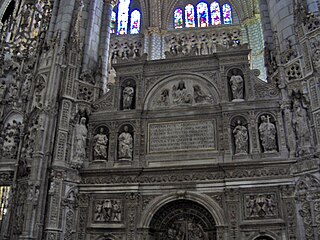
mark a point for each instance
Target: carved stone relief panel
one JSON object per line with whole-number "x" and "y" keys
{"x": 107, "y": 211}
{"x": 183, "y": 93}
{"x": 261, "y": 206}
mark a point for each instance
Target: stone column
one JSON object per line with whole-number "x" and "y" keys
{"x": 282, "y": 21}
{"x": 107, "y": 12}
{"x": 154, "y": 50}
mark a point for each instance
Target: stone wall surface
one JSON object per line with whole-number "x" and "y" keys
{"x": 200, "y": 133}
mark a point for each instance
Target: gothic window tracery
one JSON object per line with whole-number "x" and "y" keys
{"x": 135, "y": 22}
{"x": 178, "y": 18}
{"x": 189, "y": 15}
{"x": 227, "y": 14}
{"x": 125, "y": 18}
{"x": 215, "y": 13}
{"x": 4, "y": 201}
{"x": 200, "y": 16}
{"x": 202, "y": 11}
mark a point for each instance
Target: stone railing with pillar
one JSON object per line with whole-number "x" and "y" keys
{"x": 188, "y": 42}
{"x": 126, "y": 48}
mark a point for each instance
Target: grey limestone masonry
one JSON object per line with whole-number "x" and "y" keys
{"x": 208, "y": 133}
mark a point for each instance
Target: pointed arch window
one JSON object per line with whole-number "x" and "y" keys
{"x": 178, "y": 18}
{"x": 123, "y": 16}
{"x": 215, "y": 13}
{"x": 189, "y": 15}
{"x": 227, "y": 14}
{"x": 135, "y": 20}
{"x": 203, "y": 15}
{"x": 124, "y": 22}
{"x": 202, "y": 12}
{"x": 113, "y": 22}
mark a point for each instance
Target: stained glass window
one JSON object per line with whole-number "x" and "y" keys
{"x": 4, "y": 197}
{"x": 227, "y": 14}
{"x": 215, "y": 13}
{"x": 202, "y": 12}
{"x": 123, "y": 15}
{"x": 113, "y": 22}
{"x": 178, "y": 18}
{"x": 135, "y": 22}
{"x": 189, "y": 15}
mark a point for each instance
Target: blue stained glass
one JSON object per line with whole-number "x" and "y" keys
{"x": 189, "y": 15}
{"x": 135, "y": 22}
{"x": 227, "y": 14}
{"x": 113, "y": 22}
{"x": 215, "y": 13}
{"x": 123, "y": 16}
{"x": 202, "y": 12}
{"x": 178, "y": 18}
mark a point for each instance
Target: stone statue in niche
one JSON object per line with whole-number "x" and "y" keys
{"x": 301, "y": 128}
{"x": 241, "y": 138}
{"x": 180, "y": 94}
{"x": 100, "y": 146}
{"x": 267, "y": 133}
{"x": 26, "y": 87}
{"x": 200, "y": 96}
{"x": 108, "y": 211}
{"x": 3, "y": 88}
{"x": 125, "y": 145}
{"x": 164, "y": 98}
{"x": 127, "y": 97}
{"x": 80, "y": 142}
{"x": 236, "y": 83}
{"x": 13, "y": 92}
{"x": 11, "y": 136}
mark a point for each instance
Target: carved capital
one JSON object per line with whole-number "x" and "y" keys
{"x": 111, "y": 2}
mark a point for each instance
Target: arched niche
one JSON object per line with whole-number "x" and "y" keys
{"x": 236, "y": 83}
{"x": 100, "y": 143}
{"x": 240, "y": 135}
{"x": 125, "y": 143}
{"x": 183, "y": 90}
{"x": 268, "y": 133}
{"x": 128, "y": 94}
{"x": 184, "y": 219}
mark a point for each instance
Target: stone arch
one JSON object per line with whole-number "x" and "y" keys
{"x": 264, "y": 236}
{"x": 107, "y": 236}
{"x": 3, "y": 8}
{"x": 205, "y": 201}
{"x": 191, "y": 80}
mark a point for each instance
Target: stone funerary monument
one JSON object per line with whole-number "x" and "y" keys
{"x": 159, "y": 120}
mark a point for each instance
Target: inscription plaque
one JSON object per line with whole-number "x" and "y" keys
{"x": 181, "y": 136}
